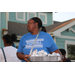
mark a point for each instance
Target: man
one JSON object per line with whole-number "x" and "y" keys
{"x": 64, "y": 58}
{"x": 44, "y": 41}
{"x": 8, "y": 53}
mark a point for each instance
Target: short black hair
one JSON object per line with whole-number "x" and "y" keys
{"x": 37, "y": 20}
{"x": 43, "y": 29}
{"x": 10, "y": 38}
{"x": 62, "y": 51}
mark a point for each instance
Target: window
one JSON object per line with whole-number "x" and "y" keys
{"x": 43, "y": 17}
{"x": 70, "y": 47}
{"x": 30, "y": 15}
{"x": 20, "y": 16}
{"x": 71, "y": 51}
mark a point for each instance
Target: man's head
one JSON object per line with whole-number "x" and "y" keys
{"x": 62, "y": 51}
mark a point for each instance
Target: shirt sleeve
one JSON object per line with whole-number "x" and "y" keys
{"x": 1, "y": 56}
{"x": 52, "y": 46}
{"x": 20, "y": 47}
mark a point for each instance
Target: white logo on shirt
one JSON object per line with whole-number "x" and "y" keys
{"x": 38, "y": 43}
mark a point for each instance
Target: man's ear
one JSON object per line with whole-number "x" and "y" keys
{"x": 36, "y": 24}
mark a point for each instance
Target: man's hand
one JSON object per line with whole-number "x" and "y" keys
{"x": 26, "y": 58}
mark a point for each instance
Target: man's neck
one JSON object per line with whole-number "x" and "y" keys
{"x": 35, "y": 32}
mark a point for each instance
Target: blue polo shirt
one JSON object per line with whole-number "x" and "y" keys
{"x": 44, "y": 42}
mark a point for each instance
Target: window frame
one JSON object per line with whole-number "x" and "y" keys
{"x": 43, "y": 14}
{"x": 68, "y": 42}
{"x": 20, "y": 19}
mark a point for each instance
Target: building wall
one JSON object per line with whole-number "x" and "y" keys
{"x": 60, "y": 42}
{"x": 23, "y": 17}
{"x": 0, "y": 29}
{"x": 73, "y": 27}
{"x": 2, "y": 26}
{"x": 69, "y": 33}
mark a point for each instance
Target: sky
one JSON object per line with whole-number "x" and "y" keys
{"x": 63, "y": 16}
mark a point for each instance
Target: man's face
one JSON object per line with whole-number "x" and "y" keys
{"x": 31, "y": 25}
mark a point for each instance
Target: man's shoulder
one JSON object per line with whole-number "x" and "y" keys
{"x": 25, "y": 35}
{"x": 45, "y": 33}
